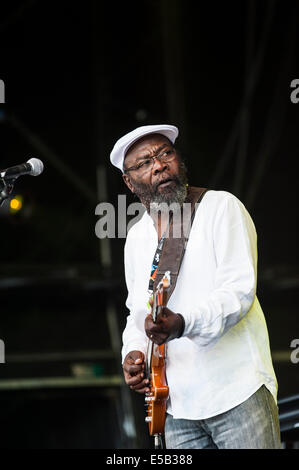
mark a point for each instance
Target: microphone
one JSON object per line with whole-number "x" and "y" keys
{"x": 33, "y": 167}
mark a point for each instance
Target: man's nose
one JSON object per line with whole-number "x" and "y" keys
{"x": 158, "y": 166}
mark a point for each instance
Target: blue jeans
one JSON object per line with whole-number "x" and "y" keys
{"x": 254, "y": 424}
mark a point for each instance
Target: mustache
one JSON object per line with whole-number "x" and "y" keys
{"x": 165, "y": 180}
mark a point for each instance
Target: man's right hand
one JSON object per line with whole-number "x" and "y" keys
{"x": 133, "y": 368}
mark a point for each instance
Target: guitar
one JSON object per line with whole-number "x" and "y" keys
{"x": 156, "y": 398}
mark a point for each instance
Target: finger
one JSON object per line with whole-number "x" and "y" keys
{"x": 163, "y": 316}
{"x": 133, "y": 369}
{"x": 134, "y": 364}
{"x": 141, "y": 386}
{"x": 139, "y": 361}
{"x": 160, "y": 339}
{"x": 156, "y": 333}
{"x": 166, "y": 312}
{"x": 142, "y": 390}
{"x": 132, "y": 381}
{"x": 149, "y": 320}
{"x": 135, "y": 380}
{"x": 131, "y": 358}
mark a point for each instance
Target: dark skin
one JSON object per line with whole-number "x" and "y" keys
{"x": 169, "y": 324}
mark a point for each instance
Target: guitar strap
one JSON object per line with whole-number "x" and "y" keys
{"x": 156, "y": 261}
{"x": 173, "y": 246}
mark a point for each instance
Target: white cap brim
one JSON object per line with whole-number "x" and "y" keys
{"x": 122, "y": 145}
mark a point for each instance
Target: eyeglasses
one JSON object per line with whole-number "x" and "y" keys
{"x": 147, "y": 164}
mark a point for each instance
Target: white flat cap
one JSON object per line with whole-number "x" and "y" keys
{"x": 122, "y": 145}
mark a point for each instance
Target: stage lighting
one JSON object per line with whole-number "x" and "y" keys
{"x": 16, "y": 204}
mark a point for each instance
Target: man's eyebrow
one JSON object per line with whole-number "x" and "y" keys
{"x": 147, "y": 155}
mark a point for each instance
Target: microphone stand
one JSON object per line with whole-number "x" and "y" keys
{"x": 5, "y": 189}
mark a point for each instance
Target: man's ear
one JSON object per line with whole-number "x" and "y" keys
{"x": 126, "y": 179}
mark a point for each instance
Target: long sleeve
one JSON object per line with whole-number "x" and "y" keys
{"x": 133, "y": 338}
{"x": 235, "y": 250}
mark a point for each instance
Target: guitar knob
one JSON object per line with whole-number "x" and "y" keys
{"x": 149, "y": 398}
{"x": 148, "y": 419}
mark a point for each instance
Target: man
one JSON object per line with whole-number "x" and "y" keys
{"x": 222, "y": 386}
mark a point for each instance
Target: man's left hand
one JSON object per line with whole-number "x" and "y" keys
{"x": 168, "y": 326}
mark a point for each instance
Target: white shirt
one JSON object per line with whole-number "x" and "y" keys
{"x": 224, "y": 355}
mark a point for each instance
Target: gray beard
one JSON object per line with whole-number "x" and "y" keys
{"x": 154, "y": 201}
{"x": 162, "y": 202}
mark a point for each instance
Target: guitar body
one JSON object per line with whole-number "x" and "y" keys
{"x": 159, "y": 392}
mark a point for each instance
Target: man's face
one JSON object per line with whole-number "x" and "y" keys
{"x": 159, "y": 180}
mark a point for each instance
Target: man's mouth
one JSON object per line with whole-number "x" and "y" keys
{"x": 165, "y": 183}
